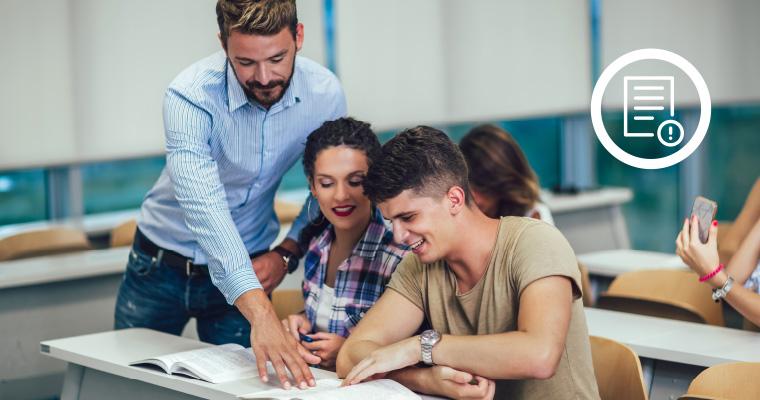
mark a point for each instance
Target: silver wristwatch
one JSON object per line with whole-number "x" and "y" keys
{"x": 428, "y": 339}
{"x": 722, "y": 291}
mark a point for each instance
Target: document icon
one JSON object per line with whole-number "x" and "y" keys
{"x": 644, "y": 99}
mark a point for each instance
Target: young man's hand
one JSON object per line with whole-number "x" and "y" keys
{"x": 449, "y": 382}
{"x": 270, "y": 269}
{"x": 386, "y": 359}
{"x": 325, "y": 346}
{"x": 270, "y": 342}
{"x": 295, "y": 324}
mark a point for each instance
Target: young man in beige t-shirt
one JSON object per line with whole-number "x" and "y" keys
{"x": 502, "y": 296}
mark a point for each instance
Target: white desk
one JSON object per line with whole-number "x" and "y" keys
{"x": 58, "y": 296}
{"x": 603, "y": 266}
{"x": 49, "y": 297}
{"x": 62, "y": 267}
{"x": 611, "y": 263}
{"x": 673, "y": 352}
{"x": 591, "y": 220}
{"x": 98, "y": 368}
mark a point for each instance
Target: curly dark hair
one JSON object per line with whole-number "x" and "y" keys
{"x": 341, "y": 132}
{"x": 423, "y": 159}
{"x": 499, "y": 169}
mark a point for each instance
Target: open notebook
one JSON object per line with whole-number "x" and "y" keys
{"x": 329, "y": 389}
{"x": 216, "y": 364}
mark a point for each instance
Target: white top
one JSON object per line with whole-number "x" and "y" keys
{"x": 324, "y": 308}
{"x": 543, "y": 212}
{"x": 753, "y": 282}
{"x": 615, "y": 262}
{"x": 676, "y": 341}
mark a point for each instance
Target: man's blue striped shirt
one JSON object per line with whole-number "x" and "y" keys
{"x": 225, "y": 158}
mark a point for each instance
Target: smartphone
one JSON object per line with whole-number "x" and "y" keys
{"x": 705, "y": 210}
{"x": 305, "y": 338}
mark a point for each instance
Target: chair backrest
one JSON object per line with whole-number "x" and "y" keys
{"x": 588, "y": 296}
{"x": 674, "y": 294}
{"x": 736, "y": 381}
{"x": 287, "y": 301}
{"x": 42, "y": 242}
{"x": 286, "y": 211}
{"x": 124, "y": 233}
{"x": 617, "y": 369}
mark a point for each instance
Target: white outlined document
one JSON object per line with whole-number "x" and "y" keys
{"x": 644, "y": 100}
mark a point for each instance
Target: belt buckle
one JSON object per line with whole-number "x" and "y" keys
{"x": 188, "y": 267}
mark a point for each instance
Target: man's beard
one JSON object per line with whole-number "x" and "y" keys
{"x": 267, "y": 100}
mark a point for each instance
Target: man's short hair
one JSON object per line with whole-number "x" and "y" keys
{"x": 423, "y": 159}
{"x": 255, "y": 17}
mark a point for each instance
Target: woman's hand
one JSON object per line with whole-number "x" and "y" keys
{"x": 326, "y": 347}
{"x": 386, "y": 359}
{"x": 295, "y": 324}
{"x": 702, "y": 258}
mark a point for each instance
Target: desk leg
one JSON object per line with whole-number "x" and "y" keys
{"x": 647, "y": 370}
{"x": 671, "y": 380}
{"x": 72, "y": 382}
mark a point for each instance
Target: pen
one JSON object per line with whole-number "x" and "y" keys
{"x": 305, "y": 338}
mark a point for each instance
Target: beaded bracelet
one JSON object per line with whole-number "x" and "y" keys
{"x": 711, "y": 274}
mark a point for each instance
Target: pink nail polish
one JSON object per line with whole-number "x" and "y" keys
{"x": 715, "y": 222}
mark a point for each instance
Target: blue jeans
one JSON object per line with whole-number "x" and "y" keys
{"x": 157, "y": 296}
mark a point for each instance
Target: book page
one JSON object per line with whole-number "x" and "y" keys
{"x": 329, "y": 389}
{"x": 167, "y": 361}
{"x": 221, "y": 365}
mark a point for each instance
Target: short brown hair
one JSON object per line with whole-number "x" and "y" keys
{"x": 256, "y": 17}
{"x": 422, "y": 159}
{"x": 499, "y": 169}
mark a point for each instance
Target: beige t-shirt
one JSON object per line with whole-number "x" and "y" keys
{"x": 526, "y": 250}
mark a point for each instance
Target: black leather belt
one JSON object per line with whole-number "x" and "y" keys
{"x": 172, "y": 258}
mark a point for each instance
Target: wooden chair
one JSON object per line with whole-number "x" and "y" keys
{"x": 42, "y": 242}
{"x": 286, "y": 211}
{"x": 588, "y": 296}
{"x": 287, "y": 301}
{"x": 618, "y": 370}
{"x": 674, "y": 294}
{"x": 124, "y": 233}
{"x": 735, "y": 381}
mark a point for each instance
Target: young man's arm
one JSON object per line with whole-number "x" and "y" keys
{"x": 533, "y": 351}
{"x": 392, "y": 319}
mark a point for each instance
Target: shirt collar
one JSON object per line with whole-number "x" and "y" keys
{"x": 236, "y": 96}
{"x": 374, "y": 238}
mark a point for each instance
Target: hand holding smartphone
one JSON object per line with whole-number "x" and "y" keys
{"x": 705, "y": 210}
{"x": 304, "y": 338}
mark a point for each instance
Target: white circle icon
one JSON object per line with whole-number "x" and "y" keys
{"x": 669, "y": 124}
{"x": 670, "y": 133}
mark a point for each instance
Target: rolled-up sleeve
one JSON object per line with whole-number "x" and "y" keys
{"x": 201, "y": 195}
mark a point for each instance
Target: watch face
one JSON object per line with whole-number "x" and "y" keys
{"x": 430, "y": 336}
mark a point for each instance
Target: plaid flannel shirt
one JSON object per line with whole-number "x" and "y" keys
{"x": 360, "y": 279}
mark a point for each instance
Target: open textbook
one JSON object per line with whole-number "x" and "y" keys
{"x": 329, "y": 389}
{"x": 227, "y": 362}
